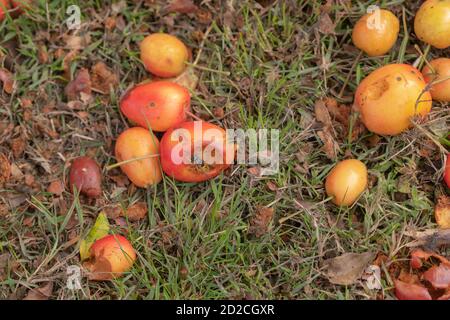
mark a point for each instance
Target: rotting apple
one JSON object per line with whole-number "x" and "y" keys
{"x": 346, "y": 182}
{"x": 438, "y": 73}
{"x": 432, "y": 23}
{"x": 86, "y": 176}
{"x": 390, "y": 96}
{"x": 110, "y": 257}
{"x": 376, "y": 33}
{"x": 137, "y": 151}
{"x": 159, "y": 105}
{"x": 196, "y": 151}
{"x": 164, "y": 55}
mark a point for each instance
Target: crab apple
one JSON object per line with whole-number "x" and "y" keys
{"x": 390, "y": 96}
{"x": 432, "y": 23}
{"x": 437, "y": 71}
{"x": 164, "y": 55}
{"x": 86, "y": 176}
{"x": 158, "y": 105}
{"x": 376, "y": 33}
{"x": 196, "y": 151}
{"x": 346, "y": 182}
{"x": 138, "y": 149}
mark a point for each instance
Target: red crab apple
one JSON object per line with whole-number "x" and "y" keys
{"x": 86, "y": 177}
{"x": 110, "y": 257}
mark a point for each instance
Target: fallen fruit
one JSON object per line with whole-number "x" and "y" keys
{"x": 138, "y": 149}
{"x": 159, "y": 105}
{"x": 390, "y": 96}
{"x": 110, "y": 257}
{"x": 86, "y": 177}
{"x": 432, "y": 23}
{"x": 410, "y": 291}
{"x": 376, "y": 33}
{"x": 164, "y": 55}
{"x": 196, "y": 151}
{"x": 346, "y": 182}
{"x": 447, "y": 171}
{"x": 442, "y": 212}
{"x": 437, "y": 72}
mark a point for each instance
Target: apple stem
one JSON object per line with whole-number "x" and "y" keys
{"x": 118, "y": 164}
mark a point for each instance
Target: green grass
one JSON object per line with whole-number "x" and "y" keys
{"x": 266, "y": 71}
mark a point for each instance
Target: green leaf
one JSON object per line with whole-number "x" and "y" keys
{"x": 98, "y": 231}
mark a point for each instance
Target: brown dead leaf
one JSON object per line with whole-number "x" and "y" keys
{"x": 430, "y": 239}
{"x": 8, "y": 80}
{"x": 442, "y": 212}
{"x": 113, "y": 211}
{"x": 103, "y": 79}
{"x": 80, "y": 87}
{"x": 5, "y": 169}
{"x": 77, "y": 42}
{"x": 181, "y": 6}
{"x": 322, "y": 113}
{"x": 259, "y": 224}
{"x": 67, "y": 61}
{"x": 187, "y": 79}
{"x": 330, "y": 147}
{"x": 56, "y": 187}
{"x": 18, "y": 146}
{"x": 136, "y": 212}
{"x": 42, "y": 293}
{"x": 409, "y": 291}
{"x": 347, "y": 268}
{"x": 326, "y": 25}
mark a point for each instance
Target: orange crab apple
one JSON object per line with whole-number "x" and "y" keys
{"x": 110, "y": 257}
{"x": 376, "y": 33}
{"x": 137, "y": 149}
{"x": 196, "y": 151}
{"x": 346, "y": 182}
{"x": 158, "y": 105}
{"x": 390, "y": 96}
{"x": 164, "y": 55}
{"x": 438, "y": 72}
{"x": 432, "y": 23}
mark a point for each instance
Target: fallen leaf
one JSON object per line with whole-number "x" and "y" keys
{"x": 8, "y": 80}
{"x": 330, "y": 146}
{"x": 419, "y": 255}
{"x": 113, "y": 211}
{"x": 56, "y": 187}
{"x": 182, "y": 6}
{"x": 103, "y": 79}
{"x": 5, "y": 169}
{"x": 18, "y": 146}
{"x": 98, "y": 231}
{"x": 42, "y": 293}
{"x": 372, "y": 277}
{"x": 322, "y": 113}
{"x": 136, "y": 212}
{"x": 442, "y": 212}
{"x": 326, "y": 25}
{"x": 347, "y": 268}
{"x": 76, "y": 42}
{"x": 438, "y": 276}
{"x": 187, "y": 79}
{"x": 408, "y": 291}
{"x": 259, "y": 224}
{"x": 80, "y": 87}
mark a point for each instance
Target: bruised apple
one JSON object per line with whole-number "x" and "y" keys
{"x": 390, "y": 96}
{"x": 346, "y": 182}
{"x": 110, "y": 257}
{"x": 138, "y": 152}
{"x": 376, "y": 33}
{"x": 158, "y": 105}
{"x": 432, "y": 23}
{"x": 196, "y": 151}
{"x": 86, "y": 177}
{"x": 164, "y": 55}
{"x": 438, "y": 72}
